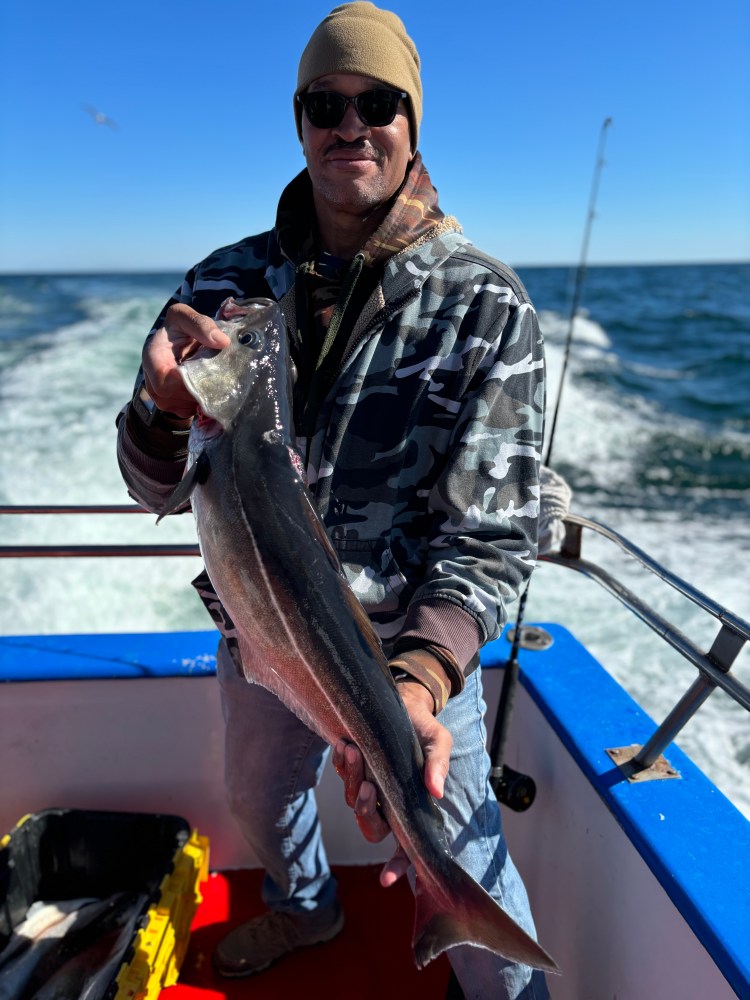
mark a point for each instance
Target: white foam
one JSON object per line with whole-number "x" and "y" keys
{"x": 585, "y": 331}
{"x": 58, "y": 412}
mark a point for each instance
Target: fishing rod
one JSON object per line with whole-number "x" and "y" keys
{"x": 512, "y": 788}
{"x": 580, "y": 275}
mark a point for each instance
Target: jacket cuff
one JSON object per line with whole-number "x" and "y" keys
{"x": 163, "y": 443}
{"x": 442, "y": 623}
{"x": 166, "y": 469}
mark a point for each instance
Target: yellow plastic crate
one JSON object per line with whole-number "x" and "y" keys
{"x": 160, "y": 945}
{"x": 60, "y": 854}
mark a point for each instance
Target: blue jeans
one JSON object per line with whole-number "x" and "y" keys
{"x": 274, "y": 762}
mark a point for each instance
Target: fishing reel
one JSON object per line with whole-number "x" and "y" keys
{"x": 513, "y": 789}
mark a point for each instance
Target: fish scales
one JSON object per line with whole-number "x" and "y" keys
{"x": 302, "y": 632}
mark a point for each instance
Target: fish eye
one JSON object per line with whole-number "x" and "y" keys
{"x": 250, "y": 338}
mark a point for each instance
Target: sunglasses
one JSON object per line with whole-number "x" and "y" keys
{"x": 326, "y": 108}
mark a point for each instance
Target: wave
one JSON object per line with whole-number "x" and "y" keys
{"x": 555, "y": 329}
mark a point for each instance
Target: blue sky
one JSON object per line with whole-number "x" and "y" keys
{"x": 515, "y": 96}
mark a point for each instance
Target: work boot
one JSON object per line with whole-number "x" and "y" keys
{"x": 253, "y": 946}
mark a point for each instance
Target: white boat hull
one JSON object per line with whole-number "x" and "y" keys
{"x": 625, "y": 914}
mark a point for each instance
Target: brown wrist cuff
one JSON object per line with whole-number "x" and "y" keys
{"x": 165, "y": 439}
{"x": 401, "y": 676}
{"x": 420, "y": 665}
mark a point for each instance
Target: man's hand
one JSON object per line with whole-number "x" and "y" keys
{"x": 361, "y": 794}
{"x": 184, "y": 331}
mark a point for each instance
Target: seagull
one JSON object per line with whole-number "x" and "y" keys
{"x": 99, "y": 117}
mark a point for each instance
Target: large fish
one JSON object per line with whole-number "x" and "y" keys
{"x": 278, "y": 576}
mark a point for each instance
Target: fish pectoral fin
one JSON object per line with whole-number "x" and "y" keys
{"x": 196, "y": 475}
{"x": 469, "y": 915}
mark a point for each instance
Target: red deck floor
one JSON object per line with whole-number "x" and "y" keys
{"x": 370, "y": 960}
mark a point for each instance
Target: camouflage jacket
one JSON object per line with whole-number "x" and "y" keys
{"x": 424, "y": 459}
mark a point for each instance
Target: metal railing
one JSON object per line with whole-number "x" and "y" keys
{"x": 24, "y": 551}
{"x": 713, "y": 666}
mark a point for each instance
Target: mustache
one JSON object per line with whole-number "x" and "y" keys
{"x": 356, "y": 145}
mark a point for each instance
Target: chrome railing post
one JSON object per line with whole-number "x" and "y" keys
{"x": 723, "y": 653}
{"x": 677, "y": 719}
{"x": 713, "y": 667}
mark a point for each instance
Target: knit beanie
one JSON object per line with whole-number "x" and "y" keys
{"x": 361, "y": 38}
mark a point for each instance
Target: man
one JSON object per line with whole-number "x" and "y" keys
{"x": 419, "y": 409}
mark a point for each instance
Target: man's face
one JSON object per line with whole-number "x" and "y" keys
{"x": 354, "y": 167}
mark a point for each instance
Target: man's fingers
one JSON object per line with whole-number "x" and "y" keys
{"x": 182, "y": 322}
{"x": 369, "y": 818}
{"x": 393, "y": 870}
{"x": 349, "y": 765}
{"x": 163, "y": 379}
{"x": 435, "y": 740}
{"x": 354, "y": 774}
{"x": 361, "y": 795}
{"x": 338, "y": 758}
{"x": 437, "y": 760}
{"x": 184, "y": 331}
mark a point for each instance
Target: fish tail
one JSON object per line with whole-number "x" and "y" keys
{"x": 465, "y": 914}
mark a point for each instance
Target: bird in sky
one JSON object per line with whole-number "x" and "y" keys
{"x": 99, "y": 117}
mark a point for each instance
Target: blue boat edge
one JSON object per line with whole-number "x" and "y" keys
{"x": 690, "y": 835}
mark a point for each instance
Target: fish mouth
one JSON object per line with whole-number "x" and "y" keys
{"x": 206, "y": 425}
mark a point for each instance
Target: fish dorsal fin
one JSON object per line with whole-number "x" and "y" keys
{"x": 317, "y": 529}
{"x": 359, "y": 614}
{"x": 367, "y": 629}
{"x": 196, "y": 475}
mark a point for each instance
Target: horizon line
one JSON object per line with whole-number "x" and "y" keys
{"x": 180, "y": 270}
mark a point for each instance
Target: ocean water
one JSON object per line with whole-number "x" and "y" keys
{"x": 653, "y": 436}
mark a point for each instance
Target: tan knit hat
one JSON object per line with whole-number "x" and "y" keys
{"x": 361, "y": 38}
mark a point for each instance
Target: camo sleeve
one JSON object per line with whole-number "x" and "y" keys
{"x": 152, "y": 459}
{"x": 152, "y": 462}
{"x": 484, "y": 505}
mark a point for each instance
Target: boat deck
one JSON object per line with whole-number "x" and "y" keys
{"x": 370, "y": 959}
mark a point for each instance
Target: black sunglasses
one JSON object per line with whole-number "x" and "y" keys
{"x": 326, "y": 108}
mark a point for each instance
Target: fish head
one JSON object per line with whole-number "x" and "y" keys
{"x": 252, "y": 370}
